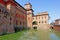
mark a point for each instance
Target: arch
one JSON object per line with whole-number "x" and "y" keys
{"x": 34, "y": 23}
{"x": 35, "y": 27}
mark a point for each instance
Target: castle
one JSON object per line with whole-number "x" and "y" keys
{"x": 15, "y": 17}
{"x": 39, "y": 21}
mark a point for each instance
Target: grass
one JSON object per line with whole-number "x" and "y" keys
{"x": 14, "y": 36}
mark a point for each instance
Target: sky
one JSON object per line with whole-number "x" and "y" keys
{"x": 50, "y": 6}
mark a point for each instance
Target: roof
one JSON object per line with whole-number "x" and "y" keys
{"x": 28, "y": 3}
{"x": 19, "y": 5}
{"x": 57, "y": 20}
{"x": 30, "y": 9}
{"x": 57, "y": 25}
{"x": 41, "y": 13}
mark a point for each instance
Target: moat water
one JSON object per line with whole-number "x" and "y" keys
{"x": 39, "y": 35}
{"x": 54, "y": 37}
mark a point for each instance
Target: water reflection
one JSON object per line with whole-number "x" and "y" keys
{"x": 39, "y": 35}
{"x": 53, "y": 36}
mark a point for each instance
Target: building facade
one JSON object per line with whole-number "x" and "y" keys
{"x": 30, "y": 11}
{"x": 40, "y": 21}
{"x": 15, "y": 17}
{"x": 12, "y": 16}
{"x": 56, "y": 25}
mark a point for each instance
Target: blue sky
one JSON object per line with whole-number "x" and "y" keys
{"x": 51, "y": 6}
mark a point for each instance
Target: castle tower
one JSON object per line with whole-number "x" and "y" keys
{"x": 29, "y": 9}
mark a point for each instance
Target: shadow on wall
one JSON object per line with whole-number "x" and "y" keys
{"x": 17, "y": 29}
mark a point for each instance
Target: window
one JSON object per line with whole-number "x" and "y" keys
{"x": 45, "y": 22}
{"x": 45, "y": 16}
{"x": 39, "y": 17}
{"x": 0, "y": 10}
{"x": 39, "y": 22}
{"x": 42, "y": 21}
{"x": 6, "y": 13}
{"x": 10, "y": 18}
{"x": 42, "y": 17}
{"x": 5, "y": 16}
{"x": 20, "y": 23}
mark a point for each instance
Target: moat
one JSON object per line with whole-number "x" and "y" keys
{"x": 33, "y": 35}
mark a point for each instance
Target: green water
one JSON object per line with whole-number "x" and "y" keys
{"x": 32, "y": 35}
{"x": 39, "y": 35}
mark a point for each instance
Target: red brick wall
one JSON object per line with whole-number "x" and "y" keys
{"x": 2, "y": 1}
{"x": 1, "y": 30}
{"x": 10, "y": 30}
{"x": 57, "y": 28}
{"x": 10, "y": 2}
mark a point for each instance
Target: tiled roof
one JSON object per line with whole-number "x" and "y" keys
{"x": 19, "y": 5}
{"x": 57, "y": 20}
{"x": 42, "y": 13}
